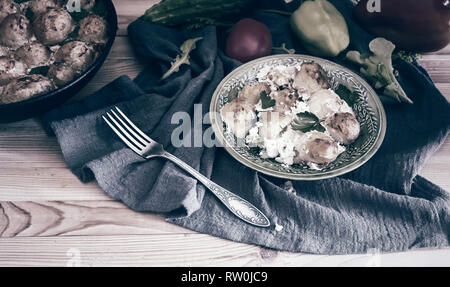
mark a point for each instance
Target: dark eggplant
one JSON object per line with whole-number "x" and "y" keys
{"x": 417, "y": 26}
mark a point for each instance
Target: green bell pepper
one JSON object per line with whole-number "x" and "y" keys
{"x": 321, "y": 28}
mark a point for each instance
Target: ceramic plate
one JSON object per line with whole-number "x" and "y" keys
{"x": 368, "y": 107}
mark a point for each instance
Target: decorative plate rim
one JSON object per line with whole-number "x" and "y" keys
{"x": 379, "y": 110}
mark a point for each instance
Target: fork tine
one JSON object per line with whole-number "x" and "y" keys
{"x": 134, "y": 126}
{"x": 124, "y": 139}
{"x": 130, "y": 130}
{"x": 125, "y": 133}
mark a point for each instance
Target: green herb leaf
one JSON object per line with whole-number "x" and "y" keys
{"x": 306, "y": 118}
{"x": 378, "y": 69}
{"x": 266, "y": 100}
{"x": 183, "y": 58}
{"x": 29, "y": 14}
{"x": 306, "y": 122}
{"x": 77, "y": 16}
{"x": 21, "y": 1}
{"x": 348, "y": 96}
{"x": 42, "y": 70}
{"x": 316, "y": 127}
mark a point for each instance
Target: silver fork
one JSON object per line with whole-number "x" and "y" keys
{"x": 144, "y": 146}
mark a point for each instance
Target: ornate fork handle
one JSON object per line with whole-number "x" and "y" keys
{"x": 237, "y": 205}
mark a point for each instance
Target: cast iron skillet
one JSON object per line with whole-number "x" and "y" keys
{"x": 40, "y": 104}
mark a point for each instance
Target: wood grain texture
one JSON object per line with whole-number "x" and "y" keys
{"x": 69, "y": 218}
{"x": 129, "y": 11}
{"x": 437, "y": 66}
{"x": 185, "y": 250}
{"x": 48, "y": 217}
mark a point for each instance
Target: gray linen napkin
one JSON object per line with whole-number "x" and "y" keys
{"x": 384, "y": 205}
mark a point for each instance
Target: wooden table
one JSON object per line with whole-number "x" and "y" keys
{"x": 48, "y": 217}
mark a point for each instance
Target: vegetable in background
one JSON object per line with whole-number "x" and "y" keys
{"x": 321, "y": 28}
{"x": 195, "y": 13}
{"x": 248, "y": 40}
{"x": 183, "y": 58}
{"x": 417, "y": 26}
{"x": 377, "y": 68}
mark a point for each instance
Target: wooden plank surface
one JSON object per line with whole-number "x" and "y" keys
{"x": 185, "y": 250}
{"x": 48, "y": 217}
{"x": 68, "y": 218}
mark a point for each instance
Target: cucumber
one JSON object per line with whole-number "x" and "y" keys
{"x": 194, "y": 12}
